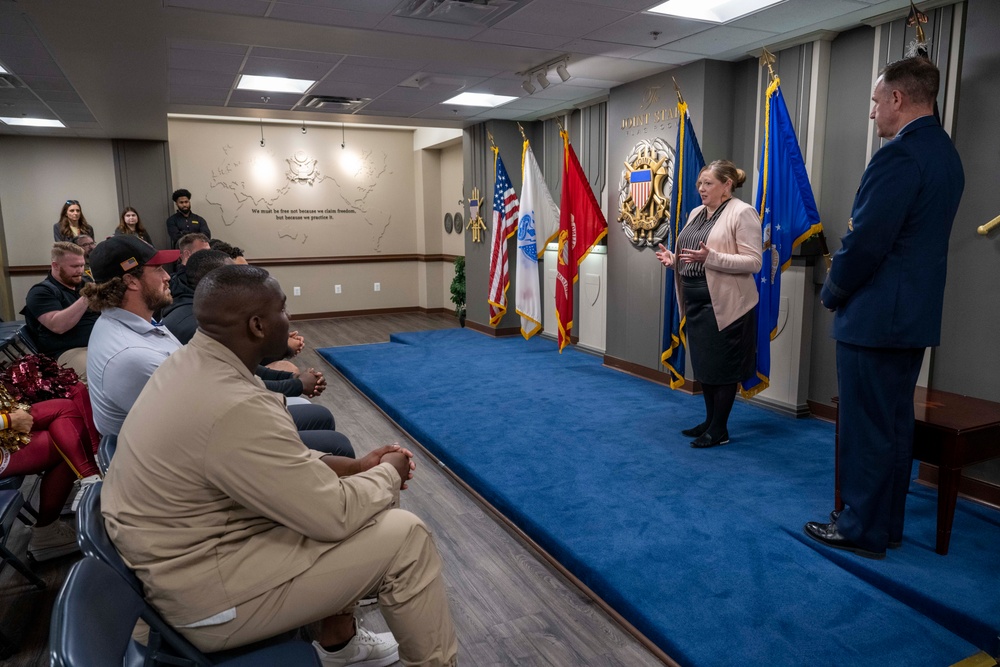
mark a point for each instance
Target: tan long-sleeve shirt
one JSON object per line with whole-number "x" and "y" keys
{"x": 213, "y": 499}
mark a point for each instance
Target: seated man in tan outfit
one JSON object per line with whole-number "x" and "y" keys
{"x": 237, "y": 530}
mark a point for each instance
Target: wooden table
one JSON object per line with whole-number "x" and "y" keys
{"x": 951, "y": 431}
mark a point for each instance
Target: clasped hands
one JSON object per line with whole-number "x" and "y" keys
{"x": 686, "y": 255}
{"x": 399, "y": 458}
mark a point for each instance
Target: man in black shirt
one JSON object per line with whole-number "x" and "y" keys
{"x": 184, "y": 221}
{"x": 57, "y": 316}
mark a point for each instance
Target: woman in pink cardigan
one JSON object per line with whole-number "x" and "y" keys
{"x": 718, "y": 253}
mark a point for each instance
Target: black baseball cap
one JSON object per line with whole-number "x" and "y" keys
{"x": 118, "y": 254}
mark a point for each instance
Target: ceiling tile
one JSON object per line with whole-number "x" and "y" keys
{"x": 183, "y": 94}
{"x": 196, "y": 60}
{"x": 244, "y": 7}
{"x": 428, "y": 28}
{"x": 718, "y": 40}
{"x": 359, "y": 74}
{"x": 631, "y": 5}
{"x": 23, "y": 46}
{"x": 211, "y": 47}
{"x": 241, "y": 97}
{"x": 449, "y": 112}
{"x": 186, "y": 77}
{"x": 597, "y": 48}
{"x": 528, "y": 103}
{"x": 794, "y": 14}
{"x": 561, "y": 17}
{"x": 530, "y": 40}
{"x": 59, "y": 96}
{"x": 471, "y": 70}
{"x": 385, "y": 63}
{"x": 566, "y": 91}
{"x": 43, "y": 83}
{"x": 408, "y": 107}
{"x": 425, "y": 97}
{"x": 372, "y": 6}
{"x": 638, "y": 30}
{"x": 12, "y": 23}
{"x": 324, "y": 16}
{"x": 25, "y": 67}
{"x": 668, "y": 57}
{"x": 292, "y": 54}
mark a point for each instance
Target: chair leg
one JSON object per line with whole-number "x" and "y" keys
{"x": 20, "y": 567}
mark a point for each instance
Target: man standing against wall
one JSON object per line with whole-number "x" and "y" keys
{"x": 886, "y": 287}
{"x": 57, "y": 315}
{"x": 184, "y": 221}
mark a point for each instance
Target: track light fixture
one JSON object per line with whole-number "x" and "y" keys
{"x": 562, "y": 71}
{"x": 304, "y": 127}
{"x": 541, "y": 74}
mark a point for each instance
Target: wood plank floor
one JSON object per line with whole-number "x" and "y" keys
{"x": 510, "y": 606}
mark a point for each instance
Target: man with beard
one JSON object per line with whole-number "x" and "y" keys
{"x": 87, "y": 244}
{"x": 130, "y": 284}
{"x": 184, "y": 221}
{"x": 57, "y": 315}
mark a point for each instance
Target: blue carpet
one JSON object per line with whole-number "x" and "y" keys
{"x": 702, "y": 550}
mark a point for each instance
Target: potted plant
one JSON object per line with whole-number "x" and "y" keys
{"x": 458, "y": 290}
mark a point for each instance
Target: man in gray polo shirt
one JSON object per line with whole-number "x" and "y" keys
{"x": 128, "y": 346}
{"x": 130, "y": 283}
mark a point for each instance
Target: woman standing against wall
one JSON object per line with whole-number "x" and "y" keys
{"x": 71, "y": 223}
{"x": 130, "y": 224}
{"x": 718, "y": 252}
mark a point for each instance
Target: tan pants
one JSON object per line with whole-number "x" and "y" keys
{"x": 76, "y": 359}
{"x": 396, "y": 555}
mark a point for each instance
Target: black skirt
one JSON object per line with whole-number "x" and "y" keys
{"x": 717, "y": 357}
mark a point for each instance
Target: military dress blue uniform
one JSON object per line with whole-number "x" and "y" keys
{"x": 886, "y": 285}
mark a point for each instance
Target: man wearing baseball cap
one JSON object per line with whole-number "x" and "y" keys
{"x": 130, "y": 283}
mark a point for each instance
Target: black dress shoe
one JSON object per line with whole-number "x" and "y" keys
{"x": 826, "y": 533}
{"x": 695, "y": 431}
{"x": 893, "y": 544}
{"x": 705, "y": 440}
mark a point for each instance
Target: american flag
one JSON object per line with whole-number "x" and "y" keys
{"x": 505, "y": 210}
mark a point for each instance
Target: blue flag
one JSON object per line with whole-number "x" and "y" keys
{"x": 788, "y": 217}
{"x": 683, "y": 199}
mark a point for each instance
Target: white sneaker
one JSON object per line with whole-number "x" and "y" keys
{"x": 52, "y": 541}
{"x": 366, "y": 649}
{"x": 84, "y": 483}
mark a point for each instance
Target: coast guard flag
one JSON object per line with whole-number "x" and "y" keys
{"x": 539, "y": 220}
{"x": 581, "y": 227}
{"x": 788, "y": 216}
{"x": 504, "y": 226}
{"x": 683, "y": 199}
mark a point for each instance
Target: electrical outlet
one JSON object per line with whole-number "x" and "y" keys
{"x": 378, "y": 287}
{"x": 336, "y": 289}
{"x": 296, "y": 291}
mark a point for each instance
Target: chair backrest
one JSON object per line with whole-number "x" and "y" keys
{"x": 93, "y": 617}
{"x": 105, "y": 452}
{"x": 93, "y": 538}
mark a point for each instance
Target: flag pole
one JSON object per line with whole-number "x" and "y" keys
{"x": 523, "y": 136}
{"x": 677, "y": 89}
{"x": 767, "y": 59}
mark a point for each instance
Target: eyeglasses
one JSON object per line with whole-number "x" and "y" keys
{"x": 72, "y": 201}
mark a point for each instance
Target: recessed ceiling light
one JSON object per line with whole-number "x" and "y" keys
{"x": 273, "y": 84}
{"x": 479, "y": 100}
{"x": 32, "y": 122}
{"x": 716, "y": 11}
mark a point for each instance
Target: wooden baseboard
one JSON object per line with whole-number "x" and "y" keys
{"x": 973, "y": 489}
{"x": 490, "y": 331}
{"x": 646, "y": 373}
{"x": 371, "y": 311}
{"x": 822, "y": 411}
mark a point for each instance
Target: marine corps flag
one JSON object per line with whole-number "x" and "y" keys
{"x": 788, "y": 216}
{"x": 504, "y": 225}
{"x": 581, "y": 227}
{"x": 539, "y": 221}
{"x": 683, "y": 200}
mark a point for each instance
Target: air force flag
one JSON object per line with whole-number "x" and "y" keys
{"x": 539, "y": 217}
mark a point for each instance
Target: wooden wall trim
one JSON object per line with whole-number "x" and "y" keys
{"x": 371, "y": 311}
{"x": 490, "y": 331}
{"x": 646, "y": 373}
{"x": 41, "y": 269}
{"x": 822, "y": 411}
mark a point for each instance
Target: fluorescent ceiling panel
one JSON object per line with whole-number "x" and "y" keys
{"x": 32, "y": 122}
{"x": 479, "y": 100}
{"x": 716, "y": 11}
{"x": 273, "y": 84}
{"x": 3, "y": 71}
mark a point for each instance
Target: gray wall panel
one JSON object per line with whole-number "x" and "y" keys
{"x": 142, "y": 171}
